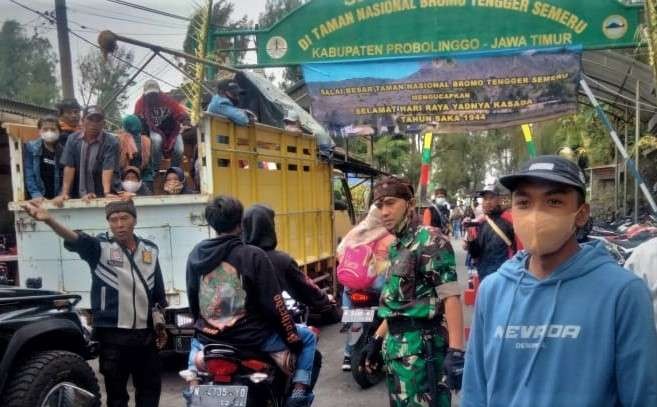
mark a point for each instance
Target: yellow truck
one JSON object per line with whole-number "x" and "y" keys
{"x": 256, "y": 164}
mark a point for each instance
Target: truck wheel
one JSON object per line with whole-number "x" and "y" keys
{"x": 36, "y": 375}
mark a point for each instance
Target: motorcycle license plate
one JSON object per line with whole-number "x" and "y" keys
{"x": 219, "y": 396}
{"x": 358, "y": 315}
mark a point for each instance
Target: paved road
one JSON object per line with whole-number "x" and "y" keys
{"x": 333, "y": 384}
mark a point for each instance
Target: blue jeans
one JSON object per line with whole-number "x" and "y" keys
{"x": 156, "y": 151}
{"x": 456, "y": 229}
{"x": 275, "y": 343}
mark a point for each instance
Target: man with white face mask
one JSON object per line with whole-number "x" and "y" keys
{"x": 43, "y": 172}
{"x": 560, "y": 324}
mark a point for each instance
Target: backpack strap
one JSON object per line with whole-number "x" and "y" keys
{"x": 499, "y": 231}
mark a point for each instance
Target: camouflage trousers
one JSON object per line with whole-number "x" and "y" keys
{"x": 407, "y": 364}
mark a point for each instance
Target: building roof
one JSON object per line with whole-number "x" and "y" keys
{"x": 26, "y": 109}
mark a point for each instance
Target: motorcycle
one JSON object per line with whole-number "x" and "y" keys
{"x": 236, "y": 377}
{"x": 620, "y": 238}
{"x": 360, "y": 323}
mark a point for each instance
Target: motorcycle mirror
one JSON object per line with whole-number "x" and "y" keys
{"x": 69, "y": 395}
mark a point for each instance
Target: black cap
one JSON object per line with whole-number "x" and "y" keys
{"x": 551, "y": 168}
{"x": 93, "y": 111}
{"x": 489, "y": 189}
{"x": 229, "y": 85}
{"x": 70, "y": 103}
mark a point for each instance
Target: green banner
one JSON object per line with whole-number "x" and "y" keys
{"x": 339, "y": 30}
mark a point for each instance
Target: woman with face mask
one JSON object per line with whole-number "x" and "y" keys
{"x": 43, "y": 171}
{"x": 132, "y": 183}
{"x": 174, "y": 183}
{"x": 135, "y": 149}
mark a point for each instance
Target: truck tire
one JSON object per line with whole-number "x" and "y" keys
{"x": 37, "y": 374}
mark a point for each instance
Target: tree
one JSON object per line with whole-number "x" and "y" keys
{"x": 100, "y": 80}
{"x": 27, "y": 66}
{"x": 274, "y": 11}
{"x": 221, "y": 19}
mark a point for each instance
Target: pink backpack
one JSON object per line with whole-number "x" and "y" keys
{"x": 354, "y": 269}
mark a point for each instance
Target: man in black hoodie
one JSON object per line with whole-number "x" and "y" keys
{"x": 235, "y": 297}
{"x": 259, "y": 229}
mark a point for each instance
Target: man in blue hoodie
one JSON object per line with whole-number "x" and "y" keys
{"x": 226, "y": 102}
{"x": 560, "y": 324}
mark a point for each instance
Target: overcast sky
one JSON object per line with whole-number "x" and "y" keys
{"x": 98, "y": 15}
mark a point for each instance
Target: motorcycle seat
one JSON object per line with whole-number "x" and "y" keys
{"x": 223, "y": 350}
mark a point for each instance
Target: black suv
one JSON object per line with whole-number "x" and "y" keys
{"x": 42, "y": 345}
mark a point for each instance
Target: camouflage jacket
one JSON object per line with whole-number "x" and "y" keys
{"x": 422, "y": 273}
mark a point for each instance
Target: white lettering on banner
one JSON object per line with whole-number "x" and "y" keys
{"x": 538, "y": 331}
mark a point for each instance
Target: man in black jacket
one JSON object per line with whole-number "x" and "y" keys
{"x": 258, "y": 229}
{"x": 495, "y": 240}
{"x": 126, "y": 284}
{"x": 235, "y": 297}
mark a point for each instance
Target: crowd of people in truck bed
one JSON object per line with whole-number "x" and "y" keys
{"x": 75, "y": 156}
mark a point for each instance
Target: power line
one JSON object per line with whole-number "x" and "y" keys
{"x": 89, "y": 42}
{"x": 84, "y": 28}
{"x": 150, "y": 10}
{"x": 114, "y": 12}
{"x": 122, "y": 60}
{"x": 159, "y": 12}
{"x": 47, "y": 17}
{"x": 162, "y": 25}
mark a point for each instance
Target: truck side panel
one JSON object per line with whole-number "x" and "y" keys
{"x": 175, "y": 228}
{"x": 262, "y": 164}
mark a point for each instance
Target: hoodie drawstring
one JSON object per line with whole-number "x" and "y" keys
{"x": 540, "y": 343}
{"x": 506, "y": 325}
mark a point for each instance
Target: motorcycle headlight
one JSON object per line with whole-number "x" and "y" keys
{"x": 184, "y": 320}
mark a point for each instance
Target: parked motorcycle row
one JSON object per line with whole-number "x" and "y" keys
{"x": 622, "y": 236}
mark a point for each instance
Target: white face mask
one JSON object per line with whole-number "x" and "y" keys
{"x": 131, "y": 186}
{"x": 49, "y": 136}
{"x": 440, "y": 200}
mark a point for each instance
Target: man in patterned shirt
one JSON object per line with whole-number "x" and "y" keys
{"x": 420, "y": 294}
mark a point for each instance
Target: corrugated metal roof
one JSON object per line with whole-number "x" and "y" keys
{"x": 613, "y": 76}
{"x": 21, "y": 108}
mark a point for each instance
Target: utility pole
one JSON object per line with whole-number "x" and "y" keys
{"x": 637, "y": 132}
{"x": 64, "y": 49}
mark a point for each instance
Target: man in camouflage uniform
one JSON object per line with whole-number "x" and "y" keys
{"x": 420, "y": 293}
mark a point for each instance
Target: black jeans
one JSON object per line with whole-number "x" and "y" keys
{"x": 118, "y": 362}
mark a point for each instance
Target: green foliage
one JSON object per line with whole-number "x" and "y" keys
{"x": 460, "y": 161}
{"x": 222, "y": 19}
{"x": 360, "y": 195}
{"x": 274, "y": 11}
{"x": 27, "y": 66}
{"x": 586, "y": 136}
{"x": 391, "y": 154}
{"x": 100, "y": 80}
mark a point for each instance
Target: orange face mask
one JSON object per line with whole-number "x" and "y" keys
{"x": 542, "y": 232}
